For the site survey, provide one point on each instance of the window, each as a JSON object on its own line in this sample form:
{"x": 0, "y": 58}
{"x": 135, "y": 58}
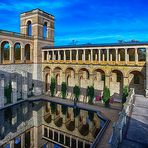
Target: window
{"x": 136, "y": 79}
{"x": 29, "y": 28}
{"x": 45, "y": 30}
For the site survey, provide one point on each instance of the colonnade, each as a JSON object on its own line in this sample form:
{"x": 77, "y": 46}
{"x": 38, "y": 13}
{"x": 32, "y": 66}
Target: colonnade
{"x": 102, "y": 54}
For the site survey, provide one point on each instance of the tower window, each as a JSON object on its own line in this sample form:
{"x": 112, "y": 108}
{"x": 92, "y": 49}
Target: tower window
{"x": 136, "y": 79}
{"x": 45, "y": 30}
{"x": 29, "y": 28}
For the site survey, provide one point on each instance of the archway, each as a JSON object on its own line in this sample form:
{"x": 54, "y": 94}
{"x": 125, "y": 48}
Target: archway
{"x": 136, "y": 81}
{"x": 17, "y": 52}
{"x": 116, "y": 82}
{"x": 5, "y": 51}
{"x": 27, "y": 52}
{"x": 47, "y": 78}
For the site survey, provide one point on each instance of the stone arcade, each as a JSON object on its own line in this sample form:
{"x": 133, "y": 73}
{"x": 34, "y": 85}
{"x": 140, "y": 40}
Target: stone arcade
{"x": 29, "y": 59}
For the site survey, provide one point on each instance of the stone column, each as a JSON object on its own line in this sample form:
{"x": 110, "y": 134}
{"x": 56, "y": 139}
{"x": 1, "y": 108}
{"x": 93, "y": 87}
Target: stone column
{"x": 11, "y": 144}
{"x": 126, "y": 58}
{"x": 11, "y": 55}
{"x": 64, "y": 55}
{"x": 146, "y": 72}
{"x": 22, "y": 140}
{"x": 99, "y": 55}
{"x": 58, "y": 55}
{"x": 31, "y": 54}
{"x": 111, "y": 57}
{"x": 91, "y": 55}
{"x": 24, "y": 85}
{"x": 14, "y": 115}
{"x": 107, "y": 55}
{"x": 136, "y": 55}
{"x": 71, "y": 55}
{"x": 103, "y": 57}
{"x": 84, "y": 55}
{"x": 77, "y": 54}
{"x": 43, "y": 56}
{"x": 22, "y": 54}
{"x": 119, "y": 57}
{"x": 14, "y": 88}
{"x": 116, "y": 54}
{"x": 77, "y": 79}
{"x": 125, "y": 81}
{"x": 47, "y": 58}
{"x": 2, "y": 96}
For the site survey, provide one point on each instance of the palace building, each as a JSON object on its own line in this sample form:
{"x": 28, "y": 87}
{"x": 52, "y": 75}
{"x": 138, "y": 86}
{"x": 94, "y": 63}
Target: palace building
{"x": 28, "y": 61}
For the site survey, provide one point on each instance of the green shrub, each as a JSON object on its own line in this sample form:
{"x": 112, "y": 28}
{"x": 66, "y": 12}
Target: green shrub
{"x": 8, "y": 92}
{"x": 64, "y": 109}
{"x": 52, "y": 86}
{"x": 63, "y": 90}
{"x": 90, "y": 93}
{"x": 106, "y": 96}
{"x": 76, "y": 92}
{"x": 76, "y": 112}
{"x": 125, "y": 93}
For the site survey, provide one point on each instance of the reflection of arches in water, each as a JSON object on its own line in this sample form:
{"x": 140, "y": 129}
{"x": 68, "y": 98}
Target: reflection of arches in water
{"x": 47, "y": 76}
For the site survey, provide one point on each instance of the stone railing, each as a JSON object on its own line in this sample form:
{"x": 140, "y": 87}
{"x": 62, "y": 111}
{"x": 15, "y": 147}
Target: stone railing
{"x": 116, "y": 137}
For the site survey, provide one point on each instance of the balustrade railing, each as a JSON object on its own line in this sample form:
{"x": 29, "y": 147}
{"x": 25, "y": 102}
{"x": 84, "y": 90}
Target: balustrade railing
{"x": 130, "y": 63}
{"x": 120, "y": 124}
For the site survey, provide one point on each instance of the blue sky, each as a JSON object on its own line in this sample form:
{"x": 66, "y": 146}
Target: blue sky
{"x": 85, "y": 21}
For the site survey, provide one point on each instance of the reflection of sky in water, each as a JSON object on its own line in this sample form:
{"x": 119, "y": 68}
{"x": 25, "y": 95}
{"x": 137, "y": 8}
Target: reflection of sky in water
{"x": 7, "y": 146}
{"x": 101, "y": 123}
{"x": 17, "y": 140}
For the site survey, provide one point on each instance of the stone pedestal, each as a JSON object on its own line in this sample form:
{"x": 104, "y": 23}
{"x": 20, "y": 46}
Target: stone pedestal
{"x": 24, "y": 85}
{"x": 14, "y": 89}
{"x": 2, "y": 97}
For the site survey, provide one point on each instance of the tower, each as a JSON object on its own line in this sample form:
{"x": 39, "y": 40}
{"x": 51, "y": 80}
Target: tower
{"x": 39, "y": 25}
{"x": 36, "y": 22}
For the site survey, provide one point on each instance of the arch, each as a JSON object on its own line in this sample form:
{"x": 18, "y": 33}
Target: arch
{"x": 17, "y": 51}
{"x": 5, "y": 50}
{"x": 45, "y": 30}
{"x": 134, "y": 70}
{"x": 47, "y": 77}
{"x": 27, "y": 52}
{"x": 29, "y": 28}
{"x": 69, "y": 69}
{"x": 136, "y": 81}
{"x": 86, "y": 70}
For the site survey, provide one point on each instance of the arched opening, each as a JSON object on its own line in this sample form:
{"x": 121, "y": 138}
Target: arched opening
{"x": 141, "y": 54}
{"x": 117, "y": 84}
{"x": 131, "y": 54}
{"x": 5, "y": 50}
{"x": 136, "y": 81}
{"x": 45, "y": 30}
{"x": 27, "y": 52}
{"x": 99, "y": 81}
{"x": 29, "y": 28}
{"x": 47, "y": 78}
{"x": 68, "y": 80}
{"x": 17, "y": 51}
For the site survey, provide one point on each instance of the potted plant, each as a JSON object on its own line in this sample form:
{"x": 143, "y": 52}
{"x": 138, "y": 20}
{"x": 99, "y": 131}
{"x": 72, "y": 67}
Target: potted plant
{"x": 64, "y": 90}
{"x": 106, "y": 96}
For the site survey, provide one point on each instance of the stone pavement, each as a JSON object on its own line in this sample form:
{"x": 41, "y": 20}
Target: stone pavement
{"x": 136, "y": 131}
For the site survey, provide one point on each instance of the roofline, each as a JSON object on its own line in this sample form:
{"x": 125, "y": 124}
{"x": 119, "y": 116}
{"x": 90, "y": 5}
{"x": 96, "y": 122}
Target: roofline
{"x": 96, "y": 45}
{"x": 39, "y": 10}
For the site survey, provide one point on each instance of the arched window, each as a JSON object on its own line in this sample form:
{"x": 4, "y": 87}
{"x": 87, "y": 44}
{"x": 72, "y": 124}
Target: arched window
{"x": 27, "y": 52}
{"x": 17, "y": 51}
{"x": 136, "y": 79}
{"x": 29, "y": 28}
{"x": 45, "y": 30}
{"x": 5, "y": 49}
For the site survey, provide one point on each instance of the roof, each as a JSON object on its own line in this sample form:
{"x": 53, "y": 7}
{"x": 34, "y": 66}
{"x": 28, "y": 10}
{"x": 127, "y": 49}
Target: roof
{"x": 97, "y": 45}
{"x": 38, "y": 10}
